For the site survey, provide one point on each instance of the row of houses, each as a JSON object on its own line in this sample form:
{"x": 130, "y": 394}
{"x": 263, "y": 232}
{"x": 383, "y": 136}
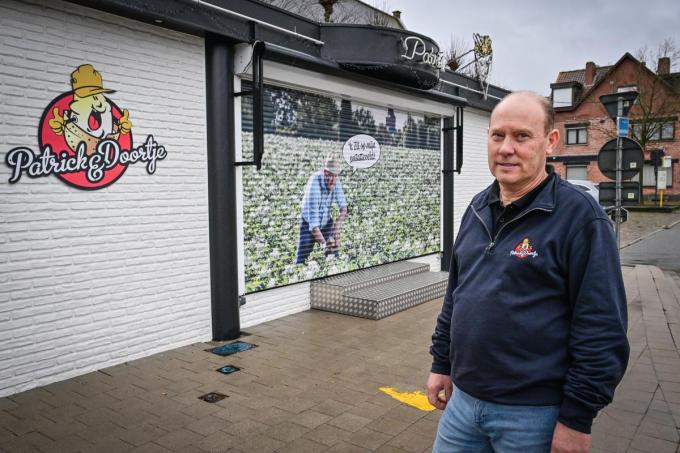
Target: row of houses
{"x": 585, "y": 125}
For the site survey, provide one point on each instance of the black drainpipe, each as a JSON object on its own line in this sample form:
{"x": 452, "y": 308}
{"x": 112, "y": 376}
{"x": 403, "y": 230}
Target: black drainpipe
{"x": 222, "y": 190}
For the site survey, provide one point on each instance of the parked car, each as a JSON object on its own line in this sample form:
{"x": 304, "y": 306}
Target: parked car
{"x": 588, "y": 187}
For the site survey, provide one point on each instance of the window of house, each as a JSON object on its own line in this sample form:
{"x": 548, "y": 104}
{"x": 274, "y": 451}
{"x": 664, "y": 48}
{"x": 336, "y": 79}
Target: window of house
{"x": 649, "y": 179}
{"x": 667, "y": 130}
{"x": 576, "y": 172}
{"x": 576, "y": 135}
{"x": 562, "y": 97}
{"x": 655, "y": 130}
{"x": 624, "y": 89}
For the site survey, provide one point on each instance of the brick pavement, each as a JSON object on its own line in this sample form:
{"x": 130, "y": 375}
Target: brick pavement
{"x": 645, "y": 414}
{"x": 312, "y": 385}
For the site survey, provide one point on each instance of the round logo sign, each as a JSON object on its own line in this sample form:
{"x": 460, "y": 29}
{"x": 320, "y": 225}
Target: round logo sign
{"x": 69, "y": 123}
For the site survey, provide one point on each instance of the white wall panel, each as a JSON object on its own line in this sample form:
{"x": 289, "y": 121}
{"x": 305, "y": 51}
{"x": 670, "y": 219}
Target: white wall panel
{"x": 475, "y": 175}
{"x": 89, "y": 279}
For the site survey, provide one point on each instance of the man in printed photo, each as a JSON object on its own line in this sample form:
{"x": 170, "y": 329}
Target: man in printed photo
{"x": 323, "y": 190}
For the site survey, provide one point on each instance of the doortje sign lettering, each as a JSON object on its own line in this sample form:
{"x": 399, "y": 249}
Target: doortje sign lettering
{"x": 84, "y": 138}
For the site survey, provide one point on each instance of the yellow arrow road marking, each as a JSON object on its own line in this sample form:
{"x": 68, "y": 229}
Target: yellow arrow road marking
{"x": 414, "y": 399}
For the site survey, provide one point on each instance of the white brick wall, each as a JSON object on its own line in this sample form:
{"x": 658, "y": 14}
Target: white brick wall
{"x": 475, "y": 175}
{"x": 89, "y": 279}
{"x": 275, "y": 303}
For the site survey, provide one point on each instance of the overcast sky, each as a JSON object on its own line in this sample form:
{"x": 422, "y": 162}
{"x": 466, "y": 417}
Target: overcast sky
{"x": 533, "y": 40}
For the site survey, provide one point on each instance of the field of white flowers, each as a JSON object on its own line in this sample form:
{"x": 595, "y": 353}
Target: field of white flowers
{"x": 393, "y": 209}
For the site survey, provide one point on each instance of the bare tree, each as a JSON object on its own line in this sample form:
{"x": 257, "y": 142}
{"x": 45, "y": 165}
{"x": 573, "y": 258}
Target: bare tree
{"x": 657, "y": 99}
{"x": 381, "y": 17}
{"x": 294, "y": 6}
{"x": 666, "y": 48}
{"x": 338, "y": 11}
{"x": 459, "y": 57}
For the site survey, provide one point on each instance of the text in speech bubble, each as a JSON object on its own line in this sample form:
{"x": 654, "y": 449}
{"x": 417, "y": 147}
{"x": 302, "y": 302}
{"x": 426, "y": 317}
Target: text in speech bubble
{"x": 361, "y": 151}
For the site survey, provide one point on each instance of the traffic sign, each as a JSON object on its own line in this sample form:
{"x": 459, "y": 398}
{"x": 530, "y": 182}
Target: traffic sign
{"x": 667, "y": 162}
{"x": 632, "y": 158}
{"x": 656, "y": 156}
{"x": 622, "y": 126}
{"x": 661, "y": 179}
{"x": 630, "y": 193}
{"x": 612, "y": 214}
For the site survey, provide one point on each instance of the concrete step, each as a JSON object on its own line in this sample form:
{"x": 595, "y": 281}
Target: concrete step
{"x": 385, "y": 299}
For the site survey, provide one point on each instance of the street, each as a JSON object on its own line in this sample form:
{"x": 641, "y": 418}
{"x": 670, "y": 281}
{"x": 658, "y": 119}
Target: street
{"x": 661, "y": 249}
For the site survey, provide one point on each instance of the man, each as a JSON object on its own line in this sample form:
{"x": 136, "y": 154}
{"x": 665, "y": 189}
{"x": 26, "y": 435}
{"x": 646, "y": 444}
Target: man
{"x": 532, "y": 332}
{"x": 316, "y": 225}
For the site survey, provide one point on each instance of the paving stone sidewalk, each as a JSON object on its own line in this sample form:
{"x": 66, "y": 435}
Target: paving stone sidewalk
{"x": 312, "y": 384}
{"x": 645, "y": 414}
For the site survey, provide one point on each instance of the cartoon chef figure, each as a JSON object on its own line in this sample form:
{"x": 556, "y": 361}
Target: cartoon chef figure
{"x": 89, "y": 118}
{"x": 525, "y": 247}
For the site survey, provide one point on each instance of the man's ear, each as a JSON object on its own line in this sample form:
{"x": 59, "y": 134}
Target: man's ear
{"x": 553, "y": 140}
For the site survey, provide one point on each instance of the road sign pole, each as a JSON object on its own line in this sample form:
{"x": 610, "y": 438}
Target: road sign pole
{"x": 620, "y": 122}
{"x": 619, "y": 168}
{"x": 617, "y": 106}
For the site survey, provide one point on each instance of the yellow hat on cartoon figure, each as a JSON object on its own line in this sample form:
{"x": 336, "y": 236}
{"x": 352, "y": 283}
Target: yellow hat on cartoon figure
{"x": 86, "y": 81}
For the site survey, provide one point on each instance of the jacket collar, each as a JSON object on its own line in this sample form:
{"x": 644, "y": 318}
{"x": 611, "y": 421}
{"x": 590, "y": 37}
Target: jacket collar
{"x": 546, "y": 199}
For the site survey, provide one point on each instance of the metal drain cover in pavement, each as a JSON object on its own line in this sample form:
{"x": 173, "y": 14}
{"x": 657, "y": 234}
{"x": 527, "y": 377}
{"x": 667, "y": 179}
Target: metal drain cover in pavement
{"x": 228, "y": 369}
{"x": 232, "y": 348}
{"x": 212, "y": 397}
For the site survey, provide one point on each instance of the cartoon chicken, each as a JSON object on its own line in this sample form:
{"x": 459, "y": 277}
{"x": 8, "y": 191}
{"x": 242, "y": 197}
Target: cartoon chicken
{"x": 89, "y": 118}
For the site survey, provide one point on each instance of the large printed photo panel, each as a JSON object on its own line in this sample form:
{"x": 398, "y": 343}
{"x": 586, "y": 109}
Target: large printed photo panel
{"x": 344, "y": 185}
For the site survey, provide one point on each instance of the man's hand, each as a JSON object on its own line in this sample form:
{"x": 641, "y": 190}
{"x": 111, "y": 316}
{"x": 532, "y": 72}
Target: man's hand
{"x": 567, "y": 440}
{"x": 336, "y": 239}
{"x": 435, "y": 384}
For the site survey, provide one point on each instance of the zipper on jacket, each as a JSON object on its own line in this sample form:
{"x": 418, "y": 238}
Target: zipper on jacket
{"x": 487, "y": 250}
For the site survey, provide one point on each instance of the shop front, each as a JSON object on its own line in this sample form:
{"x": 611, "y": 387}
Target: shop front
{"x": 177, "y": 171}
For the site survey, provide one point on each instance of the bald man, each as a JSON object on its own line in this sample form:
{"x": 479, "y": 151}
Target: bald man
{"x": 531, "y": 339}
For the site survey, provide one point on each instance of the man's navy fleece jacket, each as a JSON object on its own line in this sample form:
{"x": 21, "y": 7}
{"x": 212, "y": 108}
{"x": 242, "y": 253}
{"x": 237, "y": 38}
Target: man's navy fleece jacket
{"x": 536, "y": 315}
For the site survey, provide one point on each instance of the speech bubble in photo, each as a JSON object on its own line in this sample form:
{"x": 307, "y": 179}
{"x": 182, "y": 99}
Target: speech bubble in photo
{"x": 361, "y": 151}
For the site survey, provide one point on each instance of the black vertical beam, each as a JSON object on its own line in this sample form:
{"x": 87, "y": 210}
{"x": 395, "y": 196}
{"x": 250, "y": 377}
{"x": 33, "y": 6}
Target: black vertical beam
{"x": 222, "y": 190}
{"x": 447, "y": 196}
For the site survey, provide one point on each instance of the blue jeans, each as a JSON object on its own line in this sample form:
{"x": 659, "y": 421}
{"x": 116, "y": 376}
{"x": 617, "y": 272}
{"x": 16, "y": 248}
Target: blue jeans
{"x": 470, "y": 425}
{"x": 306, "y": 239}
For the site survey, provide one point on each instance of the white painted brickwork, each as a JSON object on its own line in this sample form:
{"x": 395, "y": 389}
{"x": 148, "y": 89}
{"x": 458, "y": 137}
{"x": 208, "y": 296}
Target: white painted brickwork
{"x": 433, "y": 260}
{"x": 89, "y": 279}
{"x": 475, "y": 175}
{"x": 275, "y": 303}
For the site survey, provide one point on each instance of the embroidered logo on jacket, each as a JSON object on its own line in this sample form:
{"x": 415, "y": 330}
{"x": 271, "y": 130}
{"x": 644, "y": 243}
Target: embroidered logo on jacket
{"x": 524, "y": 250}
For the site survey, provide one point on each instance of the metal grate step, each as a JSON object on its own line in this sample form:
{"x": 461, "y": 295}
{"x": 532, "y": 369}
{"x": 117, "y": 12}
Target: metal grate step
{"x": 389, "y": 290}
{"x": 374, "y": 275}
{"x": 383, "y": 299}
{"x": 326, "y": 294}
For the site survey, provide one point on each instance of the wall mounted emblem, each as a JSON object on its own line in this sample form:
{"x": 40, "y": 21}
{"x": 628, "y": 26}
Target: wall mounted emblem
{"x": 84, "y": 138}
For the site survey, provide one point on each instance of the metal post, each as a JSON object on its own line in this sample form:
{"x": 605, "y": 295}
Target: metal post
{"x": 619, "y": 165}
{"x": 447, "y": 196}
{"x": 221, "y": 190}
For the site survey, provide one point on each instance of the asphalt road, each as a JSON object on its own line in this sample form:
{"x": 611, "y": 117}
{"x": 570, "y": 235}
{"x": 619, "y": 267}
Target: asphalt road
{"x": 661, "y": 249}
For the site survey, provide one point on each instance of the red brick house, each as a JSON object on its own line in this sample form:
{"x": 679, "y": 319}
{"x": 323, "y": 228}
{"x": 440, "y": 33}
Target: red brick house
{"x": 585, "y": 126}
